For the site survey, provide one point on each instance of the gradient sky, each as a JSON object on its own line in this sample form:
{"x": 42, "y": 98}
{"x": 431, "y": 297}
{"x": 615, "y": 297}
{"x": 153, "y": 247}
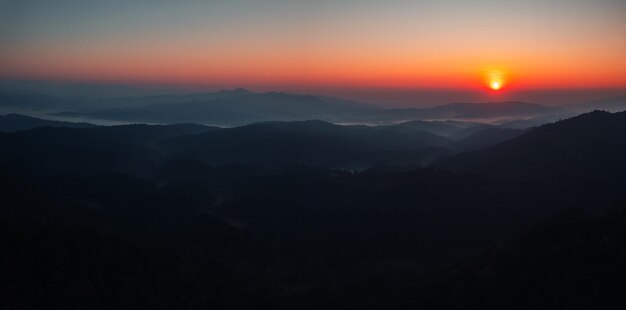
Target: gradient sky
{"x": 334, "y": 47}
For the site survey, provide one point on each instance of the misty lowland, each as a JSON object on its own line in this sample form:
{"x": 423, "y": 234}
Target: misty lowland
{"x": 243, "y": 200}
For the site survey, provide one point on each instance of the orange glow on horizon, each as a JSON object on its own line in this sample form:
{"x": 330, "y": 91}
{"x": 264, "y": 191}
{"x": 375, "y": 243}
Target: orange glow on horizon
{"x": 280, "y": 71}
{"x": 331, "y": 44}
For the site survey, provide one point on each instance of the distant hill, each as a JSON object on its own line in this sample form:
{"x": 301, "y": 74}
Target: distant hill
{"x": 17, "y": 122}
{"x": 149, "y": 134}
{"x": 441, "y": 128}
{"x": 238, "y": 107}
{"x": 489, "y": 110}
{"x": 466, "y": 132}
{"x": 229, "y": 108}
{"x": 471, "y": 111}
{"x": 611, "y": 104}
{"x": 34, "y": 102}
{"x": 314, "y": 143}
{"x": 523, "y": 123}
{"x": 486, "y": 138}
{"x": 246, "y": 108}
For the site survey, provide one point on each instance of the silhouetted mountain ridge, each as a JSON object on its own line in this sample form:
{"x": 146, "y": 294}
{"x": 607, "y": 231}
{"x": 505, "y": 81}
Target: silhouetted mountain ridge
{"x": 591, "y": 144}
{"x": 17, "y": 122}
{"x": 310, "y": 142}
{"x": 229, "y": 110}
{"x": 239, "y": 107}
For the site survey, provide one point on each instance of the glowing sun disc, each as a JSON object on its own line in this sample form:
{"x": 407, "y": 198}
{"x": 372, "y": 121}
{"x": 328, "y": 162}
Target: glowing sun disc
{"x": 495, "y": 80}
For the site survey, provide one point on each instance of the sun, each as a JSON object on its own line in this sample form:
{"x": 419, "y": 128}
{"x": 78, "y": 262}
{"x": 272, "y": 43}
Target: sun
{"x": 495, "y": 80}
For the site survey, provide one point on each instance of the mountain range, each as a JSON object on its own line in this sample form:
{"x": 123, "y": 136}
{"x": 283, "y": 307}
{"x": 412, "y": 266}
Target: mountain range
{"x": 240, "y": 107}
{"x": 611, "y": 104}
{"x": 17, "y": 122}
{"x": 317, "y": 143}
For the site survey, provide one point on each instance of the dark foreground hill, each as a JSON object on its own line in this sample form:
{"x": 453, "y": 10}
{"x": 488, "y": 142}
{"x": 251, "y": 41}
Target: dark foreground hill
{"x": 596, "y": 139}
{"x": 580, "y": 159}
{"x": 150, "y": 217}
{"x": 573, "y": 260}
{"x": 588, "y": 147}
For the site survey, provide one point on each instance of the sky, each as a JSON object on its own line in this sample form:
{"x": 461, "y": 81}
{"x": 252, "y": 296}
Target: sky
{"x": 395, "y": 52}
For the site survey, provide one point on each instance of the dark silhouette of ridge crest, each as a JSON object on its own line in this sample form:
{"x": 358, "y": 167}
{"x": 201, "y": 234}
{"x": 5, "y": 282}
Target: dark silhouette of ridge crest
{"x": 589, "y": 145}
